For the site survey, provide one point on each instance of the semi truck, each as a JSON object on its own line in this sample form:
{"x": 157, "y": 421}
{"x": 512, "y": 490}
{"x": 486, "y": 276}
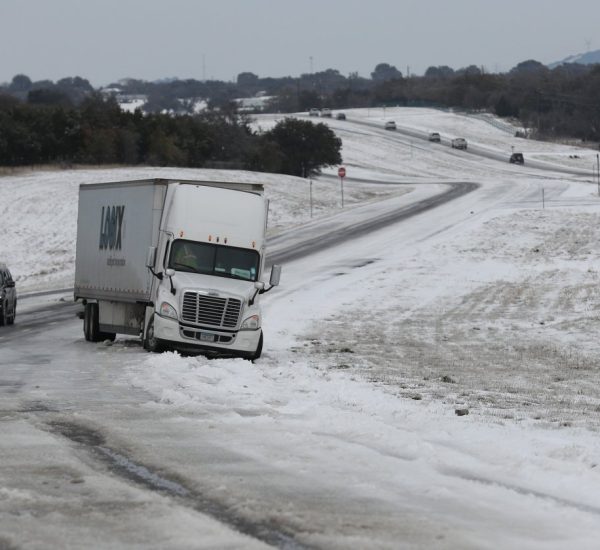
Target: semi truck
{"x": 178, "y": 263}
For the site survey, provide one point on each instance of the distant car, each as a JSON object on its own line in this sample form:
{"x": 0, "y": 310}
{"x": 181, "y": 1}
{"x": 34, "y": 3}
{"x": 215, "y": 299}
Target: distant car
{"x": 516, "y": 158}
{"x": 459, "y": 143}
{"x": 8, "y": 297}
{"x": 435, "y": 137}
{"x": 390, "y": 125}
{"x": 313, "y": 112}
{"x": 340, "y": 116}
{"x": 326, "y": 113}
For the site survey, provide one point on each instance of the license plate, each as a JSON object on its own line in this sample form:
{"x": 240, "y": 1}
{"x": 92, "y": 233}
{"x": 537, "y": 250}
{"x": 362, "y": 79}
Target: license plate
{"x": 207, "y": 337}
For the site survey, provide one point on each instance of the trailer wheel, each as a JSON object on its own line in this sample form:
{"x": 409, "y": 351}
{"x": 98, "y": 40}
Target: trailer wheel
{"x": 91, "y": 325}
{"x": 151, "y": 343}
{"x": 91, "y": 312}
{"x": 94, "y": 322}
{"x": 86, "y": 323}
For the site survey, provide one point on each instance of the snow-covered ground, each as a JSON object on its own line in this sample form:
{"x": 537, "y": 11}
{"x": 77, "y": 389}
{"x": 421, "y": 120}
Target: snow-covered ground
{"x": 367, "y": 149}
{"x": 38, "y": 212}
{"x": 372, "y": 350}
{"x": 486, "y": 306}
{"x": 131, "y": 105}
{"x": 479, "y": 130}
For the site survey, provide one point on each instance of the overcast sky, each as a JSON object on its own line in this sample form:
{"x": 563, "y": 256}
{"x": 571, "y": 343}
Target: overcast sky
{"x": 105, "y": 40}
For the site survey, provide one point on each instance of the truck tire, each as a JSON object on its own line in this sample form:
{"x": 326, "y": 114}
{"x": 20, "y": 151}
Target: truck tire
{"x": 151, "y": 343}
{"x": 259, "y": 348}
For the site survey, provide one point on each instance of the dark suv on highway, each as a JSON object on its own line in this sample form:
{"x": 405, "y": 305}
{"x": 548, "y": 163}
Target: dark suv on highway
{"x": 8, "y": 297}
{"x": 516, "y": 158}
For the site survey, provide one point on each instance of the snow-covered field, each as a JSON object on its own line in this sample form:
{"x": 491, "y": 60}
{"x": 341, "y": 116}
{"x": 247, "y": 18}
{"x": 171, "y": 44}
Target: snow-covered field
{"x": 38, "y": 212}
{"x": 486, "y": 306}
{"x": 480, "y": 130}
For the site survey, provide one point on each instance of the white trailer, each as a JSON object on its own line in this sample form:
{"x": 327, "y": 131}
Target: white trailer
{"x": 178, "y": 263}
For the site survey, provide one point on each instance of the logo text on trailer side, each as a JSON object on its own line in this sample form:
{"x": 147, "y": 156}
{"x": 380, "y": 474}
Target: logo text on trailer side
{"x": 111, "y": 226}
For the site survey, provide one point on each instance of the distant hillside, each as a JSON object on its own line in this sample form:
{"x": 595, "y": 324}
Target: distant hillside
{"x": 588, "y": 58}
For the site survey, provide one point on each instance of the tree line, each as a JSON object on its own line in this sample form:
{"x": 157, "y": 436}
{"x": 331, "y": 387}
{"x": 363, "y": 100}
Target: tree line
{"x": 69, "y": 122}
{"x": 562, "y": 102}
{"x": 559, "y": 102}
{"x": 97, "y": 131}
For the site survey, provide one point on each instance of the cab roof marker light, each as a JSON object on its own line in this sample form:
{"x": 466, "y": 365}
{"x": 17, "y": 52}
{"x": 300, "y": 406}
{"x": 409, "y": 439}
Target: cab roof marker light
{"x": 253, "y": 244}
{"x": 209, "y": 238}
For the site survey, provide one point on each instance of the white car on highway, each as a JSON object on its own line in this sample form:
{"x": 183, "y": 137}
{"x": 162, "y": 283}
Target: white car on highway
{"x": 459, "y": 143}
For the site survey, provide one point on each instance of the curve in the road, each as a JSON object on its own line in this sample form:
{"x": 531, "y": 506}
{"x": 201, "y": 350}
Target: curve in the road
{"x": 333, "y": 238}
{"x": 37, "y": 319}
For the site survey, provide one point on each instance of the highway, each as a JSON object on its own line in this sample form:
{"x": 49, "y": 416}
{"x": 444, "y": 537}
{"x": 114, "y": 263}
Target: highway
{"x": 87, "y": 456}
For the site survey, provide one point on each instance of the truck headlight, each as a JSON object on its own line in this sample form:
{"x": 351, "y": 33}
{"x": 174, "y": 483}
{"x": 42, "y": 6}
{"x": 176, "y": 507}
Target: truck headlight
{"x": 251, "y": 323}
{"x": 167, "y": 310}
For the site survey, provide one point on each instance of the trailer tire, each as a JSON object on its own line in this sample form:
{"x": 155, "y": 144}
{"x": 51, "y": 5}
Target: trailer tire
{"x": 86, "y": 323}
{"x": 151, "y": 343}
{"x": 93, "y": 333}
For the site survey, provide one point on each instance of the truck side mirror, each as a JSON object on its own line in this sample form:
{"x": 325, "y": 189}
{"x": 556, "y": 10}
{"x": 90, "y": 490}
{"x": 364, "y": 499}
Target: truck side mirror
{"x": 169, "y": 273}
{"x": 151, "y": 256}
{"x": 275, "y": 275}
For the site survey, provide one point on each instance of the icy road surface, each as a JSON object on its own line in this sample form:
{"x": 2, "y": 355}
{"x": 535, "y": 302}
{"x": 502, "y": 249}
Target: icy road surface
{"x": 345, "y": 433}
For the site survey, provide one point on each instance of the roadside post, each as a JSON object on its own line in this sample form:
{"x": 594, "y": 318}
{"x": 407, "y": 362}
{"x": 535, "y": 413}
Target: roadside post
{"x": 598, "y": 171}
{"x": 342, "y": 175}
{"x": 543, "y": 200}
{"x": 309, "y": 189}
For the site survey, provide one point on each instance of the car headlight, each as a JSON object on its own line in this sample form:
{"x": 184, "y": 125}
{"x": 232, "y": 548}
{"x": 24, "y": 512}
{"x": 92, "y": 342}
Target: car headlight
{"x": 251, "y": 323}
{"x": 167, "y": 310}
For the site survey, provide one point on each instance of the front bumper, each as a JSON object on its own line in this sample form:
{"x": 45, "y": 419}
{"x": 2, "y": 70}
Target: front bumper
{"x": 184, "y": 337}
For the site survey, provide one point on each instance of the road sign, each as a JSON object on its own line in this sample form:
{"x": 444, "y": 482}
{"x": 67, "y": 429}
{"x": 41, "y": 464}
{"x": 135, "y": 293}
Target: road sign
{"x": 341, "y": 172}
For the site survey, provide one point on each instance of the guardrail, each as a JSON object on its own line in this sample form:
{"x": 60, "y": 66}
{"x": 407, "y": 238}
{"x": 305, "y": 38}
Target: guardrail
{"x": 499, "y": 124}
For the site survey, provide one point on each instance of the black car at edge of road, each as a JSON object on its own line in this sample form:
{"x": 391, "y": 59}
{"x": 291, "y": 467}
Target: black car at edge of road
{"x": 8, "y": 297}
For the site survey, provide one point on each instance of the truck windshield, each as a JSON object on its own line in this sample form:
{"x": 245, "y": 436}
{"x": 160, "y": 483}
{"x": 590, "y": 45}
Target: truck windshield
{"x": 214, "y": 259}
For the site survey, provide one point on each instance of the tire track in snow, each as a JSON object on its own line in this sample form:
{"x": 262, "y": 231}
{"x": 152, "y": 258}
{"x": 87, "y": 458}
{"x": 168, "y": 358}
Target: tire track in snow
{"x": 126, "y": 467}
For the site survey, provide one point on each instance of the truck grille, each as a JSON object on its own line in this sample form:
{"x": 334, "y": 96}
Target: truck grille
{"x": 215, "y": 311}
